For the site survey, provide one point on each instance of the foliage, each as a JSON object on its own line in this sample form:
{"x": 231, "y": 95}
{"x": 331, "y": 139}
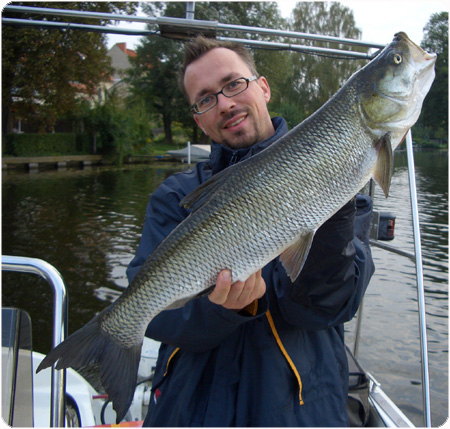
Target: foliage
{"x": 119, "y": 128}
{"x": 312, "y": 79}
{"x": 154, "y": 79}
{"x": 43, "y": 144}
{"x": 435, "y": 108}
{"x": 44, "y": 70}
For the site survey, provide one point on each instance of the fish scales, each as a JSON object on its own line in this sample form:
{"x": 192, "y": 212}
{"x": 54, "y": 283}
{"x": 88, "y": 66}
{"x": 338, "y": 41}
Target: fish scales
{"x": 265, "y": 206}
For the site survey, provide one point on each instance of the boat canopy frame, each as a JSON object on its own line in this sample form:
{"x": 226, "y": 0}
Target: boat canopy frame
{"x": 184, "y": 28}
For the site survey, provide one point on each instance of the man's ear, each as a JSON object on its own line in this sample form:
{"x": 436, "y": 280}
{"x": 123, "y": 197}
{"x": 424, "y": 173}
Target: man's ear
{"x": 264, "y": 85}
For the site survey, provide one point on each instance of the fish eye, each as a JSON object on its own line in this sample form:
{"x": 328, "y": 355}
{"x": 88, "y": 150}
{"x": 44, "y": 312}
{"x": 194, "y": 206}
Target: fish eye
{"x": 397, "y": 58}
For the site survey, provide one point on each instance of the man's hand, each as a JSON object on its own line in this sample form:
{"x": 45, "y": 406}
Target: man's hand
{"x": 238, "y": 295}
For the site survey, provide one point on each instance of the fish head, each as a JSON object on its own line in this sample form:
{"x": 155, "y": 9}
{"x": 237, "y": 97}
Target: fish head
{"x": 394, "y": 86}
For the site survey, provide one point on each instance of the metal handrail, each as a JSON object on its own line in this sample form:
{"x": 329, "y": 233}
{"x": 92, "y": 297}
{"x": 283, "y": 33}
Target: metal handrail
{"x": 419, "y": 279}
{"x": 53, "y": 277}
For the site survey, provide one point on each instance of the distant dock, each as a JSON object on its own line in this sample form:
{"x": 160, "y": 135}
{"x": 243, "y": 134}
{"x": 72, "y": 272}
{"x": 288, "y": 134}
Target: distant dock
{"x": 60, "y": 162}
{"x": 35, "y": 163}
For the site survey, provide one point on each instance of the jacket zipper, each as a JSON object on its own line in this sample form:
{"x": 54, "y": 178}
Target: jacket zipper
{"x": 233, "y": 159}
{"x": 286, "y": 355}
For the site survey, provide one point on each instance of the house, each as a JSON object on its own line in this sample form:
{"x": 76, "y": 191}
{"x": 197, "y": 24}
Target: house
{"x": 120, "y": 61}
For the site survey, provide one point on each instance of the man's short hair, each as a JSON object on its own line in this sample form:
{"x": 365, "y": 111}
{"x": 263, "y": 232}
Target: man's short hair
{"x": 200, "y": 45}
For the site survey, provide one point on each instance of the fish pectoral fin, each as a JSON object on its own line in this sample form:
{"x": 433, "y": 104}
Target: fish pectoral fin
{"x": 294, "y": 257}
{"x": 385, "y": 163}
{"x": 203, "y": 193}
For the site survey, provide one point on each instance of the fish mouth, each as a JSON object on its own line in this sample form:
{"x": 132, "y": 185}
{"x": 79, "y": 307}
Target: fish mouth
{"x": 418, "y": 54}
{"x": 429, "y": 57}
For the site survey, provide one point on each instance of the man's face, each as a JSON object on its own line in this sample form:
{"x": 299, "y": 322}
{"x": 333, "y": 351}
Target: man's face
{"x": 236, "y": 122}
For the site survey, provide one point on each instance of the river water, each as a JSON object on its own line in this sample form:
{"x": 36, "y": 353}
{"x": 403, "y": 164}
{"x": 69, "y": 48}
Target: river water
{"x": 87, "y": 223}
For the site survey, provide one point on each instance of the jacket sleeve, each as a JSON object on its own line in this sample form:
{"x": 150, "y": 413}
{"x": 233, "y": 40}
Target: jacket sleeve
{"x": 336, "y": 273}
{"x": 199, "y": 325}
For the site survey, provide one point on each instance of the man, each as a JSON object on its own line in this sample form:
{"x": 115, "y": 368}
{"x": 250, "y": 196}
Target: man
{"x": 264, "y": 352}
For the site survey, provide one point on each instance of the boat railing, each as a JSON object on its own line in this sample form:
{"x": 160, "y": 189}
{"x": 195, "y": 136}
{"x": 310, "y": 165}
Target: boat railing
{"x": 419, "y": 279}
{"x": 53, "y": 277}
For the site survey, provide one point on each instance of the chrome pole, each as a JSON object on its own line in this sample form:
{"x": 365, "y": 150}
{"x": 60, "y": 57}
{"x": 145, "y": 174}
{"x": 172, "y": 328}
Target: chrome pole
{"x": 52, "y": 276}
{"x": 190, "y": 23}
{"x": 190, "y": 10}
{"x": 420, "y": 286}
{"x": 369, "y": 188}
{"x": 359, "y": 318}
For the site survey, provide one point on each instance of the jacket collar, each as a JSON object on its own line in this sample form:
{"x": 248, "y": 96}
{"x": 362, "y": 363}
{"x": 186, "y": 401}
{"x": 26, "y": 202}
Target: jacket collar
{"x": 222, "y": 157}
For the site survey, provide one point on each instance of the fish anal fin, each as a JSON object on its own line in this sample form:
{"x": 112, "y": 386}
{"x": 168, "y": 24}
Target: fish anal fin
{"x": 183, "y": 301}
{"x": 384, "y": 165}
{"x": 294, "y": 257}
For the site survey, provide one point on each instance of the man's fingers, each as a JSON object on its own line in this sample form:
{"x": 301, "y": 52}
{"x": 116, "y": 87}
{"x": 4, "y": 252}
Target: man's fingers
{"x": 238, "y": 295}
{"x": 220, "y": 293}
{"x": 260, "y": 286}
{"x": 241, "y": 292}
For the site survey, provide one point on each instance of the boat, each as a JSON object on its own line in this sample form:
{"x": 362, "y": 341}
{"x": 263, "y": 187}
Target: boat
{"x": 67, "y": 397}
{"x": 191, "y": 153}
{"x": 54, "y": 398}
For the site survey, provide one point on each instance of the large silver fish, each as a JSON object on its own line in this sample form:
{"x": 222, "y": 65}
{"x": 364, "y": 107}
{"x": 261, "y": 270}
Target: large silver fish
{"x": 266, "y": 206}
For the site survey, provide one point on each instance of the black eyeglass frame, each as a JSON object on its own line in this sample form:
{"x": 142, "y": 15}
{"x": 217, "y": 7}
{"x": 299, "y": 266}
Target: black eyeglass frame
{"x": 194, "y": 108}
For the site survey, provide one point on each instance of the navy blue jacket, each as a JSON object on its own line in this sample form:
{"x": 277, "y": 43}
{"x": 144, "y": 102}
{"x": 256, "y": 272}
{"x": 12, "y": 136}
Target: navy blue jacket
{"x": 279, "y": 362}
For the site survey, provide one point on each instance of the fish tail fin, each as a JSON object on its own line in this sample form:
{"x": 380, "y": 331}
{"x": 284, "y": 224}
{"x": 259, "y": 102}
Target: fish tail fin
{"x": 118, "y": 365}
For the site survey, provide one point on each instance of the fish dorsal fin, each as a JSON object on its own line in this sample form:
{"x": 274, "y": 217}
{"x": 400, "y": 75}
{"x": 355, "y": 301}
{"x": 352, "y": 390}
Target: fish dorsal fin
{"x": 203, "y": 193}
{"x": 294, "y": 257}
{"x": 385, "y": 163}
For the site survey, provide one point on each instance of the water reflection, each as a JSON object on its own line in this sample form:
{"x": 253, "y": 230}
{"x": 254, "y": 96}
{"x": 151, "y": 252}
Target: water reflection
{"x": 88, "y": 223}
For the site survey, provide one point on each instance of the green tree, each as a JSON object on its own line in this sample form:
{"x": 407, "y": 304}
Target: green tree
{"x": 154, "y": 79}
{"x": 314, "y": 79}
{"x": 434, "y": 115}
{"x": 43, "y": 70}
{"x": 118, "y": 127}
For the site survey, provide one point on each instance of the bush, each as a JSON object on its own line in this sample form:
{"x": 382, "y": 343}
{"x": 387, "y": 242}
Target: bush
{"x": 426, "y": 144}
{"x": 45, "y": 144}
{"x": 120, "y": 129}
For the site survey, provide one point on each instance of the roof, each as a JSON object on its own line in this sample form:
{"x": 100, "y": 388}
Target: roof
{"x": 123, "y": 47}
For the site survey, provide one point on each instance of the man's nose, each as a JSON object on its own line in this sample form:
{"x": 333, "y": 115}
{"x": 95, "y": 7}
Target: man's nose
{"x": 224, "y": 104}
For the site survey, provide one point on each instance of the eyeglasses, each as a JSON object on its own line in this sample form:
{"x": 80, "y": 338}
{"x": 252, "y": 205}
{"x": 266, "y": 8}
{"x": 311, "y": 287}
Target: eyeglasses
{"x": 231, "y": 89}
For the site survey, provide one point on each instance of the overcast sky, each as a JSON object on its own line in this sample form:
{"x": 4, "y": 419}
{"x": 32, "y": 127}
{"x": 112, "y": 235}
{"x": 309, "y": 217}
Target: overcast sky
{"x": 379, "y": 20}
